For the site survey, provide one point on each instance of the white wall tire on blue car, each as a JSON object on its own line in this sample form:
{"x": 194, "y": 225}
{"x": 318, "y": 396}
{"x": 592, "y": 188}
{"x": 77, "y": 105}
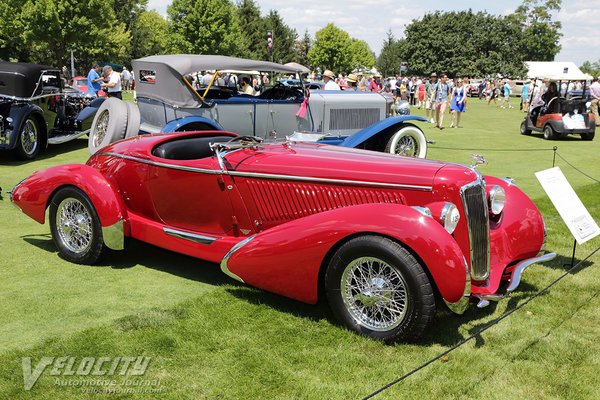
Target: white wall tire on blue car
{"x": 109, "y": 125}
{"x": 408, "y": 141}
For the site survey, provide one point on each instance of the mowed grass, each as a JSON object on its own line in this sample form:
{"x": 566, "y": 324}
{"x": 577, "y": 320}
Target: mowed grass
{"x": 209, "y": 337}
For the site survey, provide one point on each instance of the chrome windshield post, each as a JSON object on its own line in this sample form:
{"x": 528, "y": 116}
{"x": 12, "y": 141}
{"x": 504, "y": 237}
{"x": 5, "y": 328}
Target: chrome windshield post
{"x": 217, "y": 148}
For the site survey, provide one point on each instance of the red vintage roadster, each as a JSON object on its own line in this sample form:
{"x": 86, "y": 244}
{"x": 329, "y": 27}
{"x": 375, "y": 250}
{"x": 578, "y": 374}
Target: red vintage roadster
{"x": 384, "y": 237}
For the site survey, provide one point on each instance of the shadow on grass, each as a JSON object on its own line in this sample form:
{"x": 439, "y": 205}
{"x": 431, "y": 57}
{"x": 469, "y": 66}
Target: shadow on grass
{"x": 568, "y": 138}
{"x": 8, "y": 158}
{"x": 564, "y": 263}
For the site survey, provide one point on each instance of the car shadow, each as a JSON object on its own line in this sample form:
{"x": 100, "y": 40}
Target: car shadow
{"x": 8, "y": 158}
{"x": 568, "y": 138}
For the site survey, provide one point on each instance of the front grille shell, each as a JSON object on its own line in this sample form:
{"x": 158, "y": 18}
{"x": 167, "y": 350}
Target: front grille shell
{"x": 474, "y": 201}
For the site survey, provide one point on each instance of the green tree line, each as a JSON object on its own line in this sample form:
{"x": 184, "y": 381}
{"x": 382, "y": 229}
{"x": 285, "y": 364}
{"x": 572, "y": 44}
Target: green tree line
{"x": 459, "y": 43}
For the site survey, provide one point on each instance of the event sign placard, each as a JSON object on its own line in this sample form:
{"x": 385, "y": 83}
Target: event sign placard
{"x": 569, "y": 206}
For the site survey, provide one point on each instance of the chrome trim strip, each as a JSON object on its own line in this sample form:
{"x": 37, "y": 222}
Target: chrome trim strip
{"x": 515, "y": 278}
{"x": 461, "y": 305}
{"x": 230, "y": 253}
{"x": 194, "y": 237}
{"x": 114, "y": 235}
{"x": 478, "y": 182}
{"x": 266, "y": 176}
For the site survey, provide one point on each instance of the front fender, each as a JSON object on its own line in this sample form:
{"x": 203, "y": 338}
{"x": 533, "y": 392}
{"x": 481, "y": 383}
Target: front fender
{"x": 287, "y": 259}
{"x": 34, "y": 194}
{"x": 362, "y": 136}
{"x": 178, "y": 124}
{"x": 19, "y": 114}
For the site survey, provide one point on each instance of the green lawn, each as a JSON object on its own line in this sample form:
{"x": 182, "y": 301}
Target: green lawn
{"x": 209, "y": 337}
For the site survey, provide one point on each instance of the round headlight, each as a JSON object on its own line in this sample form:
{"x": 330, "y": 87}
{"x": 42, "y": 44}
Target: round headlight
{"x": 449, "y": 217}
{"x": 497, "y": 200}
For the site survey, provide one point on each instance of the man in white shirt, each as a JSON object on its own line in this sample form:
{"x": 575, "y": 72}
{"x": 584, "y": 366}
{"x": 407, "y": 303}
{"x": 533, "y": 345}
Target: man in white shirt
{"x": 330, "y": 84}
{"x": 113, "y": 87}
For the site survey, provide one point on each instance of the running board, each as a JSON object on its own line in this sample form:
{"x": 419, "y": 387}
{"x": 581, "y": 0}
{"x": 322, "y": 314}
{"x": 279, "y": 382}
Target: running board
{"x": 193, "y": 237}
{"x": 66, "y": 138}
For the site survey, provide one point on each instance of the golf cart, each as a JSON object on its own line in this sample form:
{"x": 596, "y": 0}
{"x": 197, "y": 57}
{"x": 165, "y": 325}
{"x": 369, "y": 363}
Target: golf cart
{"x": 557, "y": 114}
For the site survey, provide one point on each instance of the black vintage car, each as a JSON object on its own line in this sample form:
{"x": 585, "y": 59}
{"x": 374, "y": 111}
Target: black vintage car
{"x": 37, "y": 109}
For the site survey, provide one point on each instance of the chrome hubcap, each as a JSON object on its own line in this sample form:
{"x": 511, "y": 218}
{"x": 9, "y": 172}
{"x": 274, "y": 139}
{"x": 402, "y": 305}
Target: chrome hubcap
{"x": 29, "y": 137}
{"x": 74, "y": 225}
{"x": 374, "y": 293}
{"x": 407, "y": 146}
{"x": 101, "y": 128}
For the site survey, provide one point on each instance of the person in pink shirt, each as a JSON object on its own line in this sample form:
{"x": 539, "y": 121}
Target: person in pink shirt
{"x": 376, "y": 85}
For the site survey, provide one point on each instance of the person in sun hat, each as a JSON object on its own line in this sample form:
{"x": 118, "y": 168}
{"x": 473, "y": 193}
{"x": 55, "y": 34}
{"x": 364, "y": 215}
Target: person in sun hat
{"x": 329, "y": 79}
{"x": 352, "y": 81}
{"x": 376, "y": 85}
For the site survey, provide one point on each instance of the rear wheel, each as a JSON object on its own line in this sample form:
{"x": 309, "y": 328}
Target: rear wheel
{"x": 549, "y": 133}
{"x": 588, "y": 135}
{"x": 28, "y": 141}
{"x": 524, "y": 130}
{"x": 75, "y": 226}
{"x": 408, "y": 141}
{"x": 377, "y": 288}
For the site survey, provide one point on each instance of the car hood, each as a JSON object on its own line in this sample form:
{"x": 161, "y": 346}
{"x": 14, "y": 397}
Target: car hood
{"x": 333, "y": 162}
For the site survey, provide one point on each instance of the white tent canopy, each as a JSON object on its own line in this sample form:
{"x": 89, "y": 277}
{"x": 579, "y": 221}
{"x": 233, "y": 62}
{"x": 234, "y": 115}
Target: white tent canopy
{"x": 555, "y": 70}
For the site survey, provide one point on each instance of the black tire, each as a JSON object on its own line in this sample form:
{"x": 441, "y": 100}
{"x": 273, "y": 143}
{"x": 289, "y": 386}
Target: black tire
{"x": 398, "y": 284}
{"x": 524, "y": 130}
{"x": 109, "y": 125}
{"x": 549, "y": 133}
{"x": 408, "y": 141}
{"x": 28, "y": 140}
{"x": 71, "y": 207}
{"x": 588, "y": 135}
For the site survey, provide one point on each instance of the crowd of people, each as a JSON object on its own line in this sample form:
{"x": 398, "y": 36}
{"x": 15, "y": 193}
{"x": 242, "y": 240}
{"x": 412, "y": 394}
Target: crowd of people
{"x": 109, "y": 81}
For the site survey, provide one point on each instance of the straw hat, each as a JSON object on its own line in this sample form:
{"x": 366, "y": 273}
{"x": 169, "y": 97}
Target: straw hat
{"x": 352, "y": 78}
{"x": 329, "y": 74}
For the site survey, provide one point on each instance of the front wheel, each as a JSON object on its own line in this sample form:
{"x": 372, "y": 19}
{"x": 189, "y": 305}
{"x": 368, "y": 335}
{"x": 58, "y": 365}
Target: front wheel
{"x": 524, "y": 130}
{"x": 408, "y": 141}
{"x": 28, "y": 141}
{"x": 377, "y": 288}
{"x": 75, "y": 226}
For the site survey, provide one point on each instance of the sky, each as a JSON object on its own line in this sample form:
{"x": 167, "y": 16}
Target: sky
{"x": 371, "y": 20}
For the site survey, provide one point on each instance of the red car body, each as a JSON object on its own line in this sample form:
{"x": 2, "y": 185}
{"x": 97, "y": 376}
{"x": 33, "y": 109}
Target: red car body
{"x": 272, "y": 215}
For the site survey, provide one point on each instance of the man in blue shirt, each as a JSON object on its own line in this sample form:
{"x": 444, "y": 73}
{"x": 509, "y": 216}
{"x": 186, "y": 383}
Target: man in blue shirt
{"x": 94, "y": 80}
{"x": 506, "y": 91}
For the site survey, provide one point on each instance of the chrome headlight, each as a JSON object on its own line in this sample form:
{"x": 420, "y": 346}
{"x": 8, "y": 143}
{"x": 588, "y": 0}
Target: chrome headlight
{"x": 403, "y": 108}
{"x": 497, "y": 199}
{"x": 449, "y": 217}
{"x": 423, "y": 210}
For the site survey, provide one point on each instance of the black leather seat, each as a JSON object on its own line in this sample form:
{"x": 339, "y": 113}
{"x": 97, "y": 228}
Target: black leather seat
{"x": 188, "y": 148}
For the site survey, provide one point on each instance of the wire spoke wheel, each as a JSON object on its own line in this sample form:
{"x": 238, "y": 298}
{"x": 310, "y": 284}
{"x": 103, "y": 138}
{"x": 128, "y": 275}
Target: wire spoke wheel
{"x": 29, "y": 137}
{"x": 407, "y": 146}
{"x": 101, "y": 128}
{"x": 74, "y": 225}
{"x": 374, "y": 293}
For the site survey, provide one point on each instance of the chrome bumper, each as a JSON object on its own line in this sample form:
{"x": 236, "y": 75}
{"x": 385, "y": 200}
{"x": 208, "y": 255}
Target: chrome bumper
{"x": 515, "y": 279}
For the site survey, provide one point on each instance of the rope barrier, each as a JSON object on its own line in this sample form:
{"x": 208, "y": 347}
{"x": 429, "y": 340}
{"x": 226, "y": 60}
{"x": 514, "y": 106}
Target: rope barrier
{"x": 507, "y": 150}
{"x": 577, "y": 169}
{"x": 479, "y": 332}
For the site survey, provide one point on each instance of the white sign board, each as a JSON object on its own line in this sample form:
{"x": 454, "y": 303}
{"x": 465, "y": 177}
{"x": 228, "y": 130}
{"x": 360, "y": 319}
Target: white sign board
{"x": 567, "y": 203}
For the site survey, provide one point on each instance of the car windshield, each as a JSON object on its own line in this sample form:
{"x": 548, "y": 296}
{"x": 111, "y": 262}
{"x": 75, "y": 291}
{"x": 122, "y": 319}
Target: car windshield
{"x": 80, "y": 82}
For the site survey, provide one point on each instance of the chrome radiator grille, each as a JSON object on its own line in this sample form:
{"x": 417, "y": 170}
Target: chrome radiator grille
{"x": 352, "y": 118}
{"x": 476, "y": 210}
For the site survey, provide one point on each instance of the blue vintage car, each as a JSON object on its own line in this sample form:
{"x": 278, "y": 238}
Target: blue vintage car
{"x": 37, "y": 109}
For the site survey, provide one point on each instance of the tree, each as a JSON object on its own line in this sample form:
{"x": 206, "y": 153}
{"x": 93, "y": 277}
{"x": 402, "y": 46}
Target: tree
{"x": 331, "y": 50}
{"x": 149, "y": 35}
{"x": 362, "y": 56}
{"x": 205, "y": 27}
{"x": 52, "y": 28}
{"x": 12, "y": 45}
{"x": 541, "y": 35}
{"x": 591, "y": 68}
{"x": 390, "y": 58}
{"x": 284, "y": 39}
{"x": 128, "y": 11}
{"x": 302, "y": 47}
{"x": 252, "y": 26}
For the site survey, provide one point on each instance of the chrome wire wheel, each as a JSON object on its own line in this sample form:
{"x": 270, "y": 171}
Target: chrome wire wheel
{"x": 29, "y": 137}
{"x": 74, "y": 225}
{"x": 374, "y": 293}
{"x": 101, "y": 128}
{"x": 407, "y": 146}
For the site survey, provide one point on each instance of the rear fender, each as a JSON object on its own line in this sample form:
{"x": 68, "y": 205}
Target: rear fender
{"x": 377, "y": 128}
{"x": 287, "y": 259}
{"x": 34, "y": 194}
{"x": 194, "y": 123}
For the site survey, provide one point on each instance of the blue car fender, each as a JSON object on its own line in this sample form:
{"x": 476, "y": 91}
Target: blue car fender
{"x": 382, "y": 126}
{"x": 193, "y": 123}
{"x": 19, "y": 115}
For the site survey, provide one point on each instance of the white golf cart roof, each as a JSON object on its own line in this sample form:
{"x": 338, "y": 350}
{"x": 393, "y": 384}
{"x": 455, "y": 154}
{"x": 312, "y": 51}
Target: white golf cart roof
{"x": 162, "y": 77}
{"x": 556, "y": 71}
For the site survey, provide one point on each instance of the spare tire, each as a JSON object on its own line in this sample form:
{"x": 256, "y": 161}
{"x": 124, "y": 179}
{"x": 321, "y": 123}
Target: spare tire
{"x": 133, "y": 120}
{"x": 409, "y": 141}
{"x": 109, "y": 125}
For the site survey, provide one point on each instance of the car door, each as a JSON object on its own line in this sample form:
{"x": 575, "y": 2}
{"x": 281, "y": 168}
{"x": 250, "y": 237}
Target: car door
{"x": 191, "y": 195}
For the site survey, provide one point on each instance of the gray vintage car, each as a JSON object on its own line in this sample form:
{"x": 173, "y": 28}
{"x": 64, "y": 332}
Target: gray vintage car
{"x": 37, "y": 109}
{"x": 168, "y": 100}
